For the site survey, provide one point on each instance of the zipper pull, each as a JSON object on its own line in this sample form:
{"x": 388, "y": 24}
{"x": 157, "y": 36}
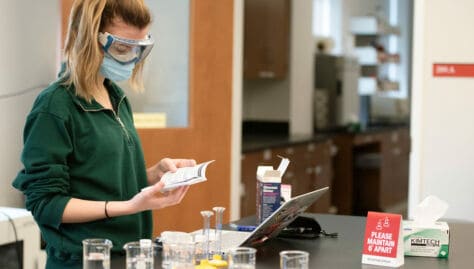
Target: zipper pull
{"x": 120, "y": 121}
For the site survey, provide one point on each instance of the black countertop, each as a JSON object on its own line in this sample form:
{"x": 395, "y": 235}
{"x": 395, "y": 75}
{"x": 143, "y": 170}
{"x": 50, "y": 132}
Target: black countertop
{"x": 345, "y": 251}
{"x": 259, "y": 141}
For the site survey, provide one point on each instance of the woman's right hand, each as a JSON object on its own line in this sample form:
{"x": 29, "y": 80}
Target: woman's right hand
{"x": 152, "y": 197}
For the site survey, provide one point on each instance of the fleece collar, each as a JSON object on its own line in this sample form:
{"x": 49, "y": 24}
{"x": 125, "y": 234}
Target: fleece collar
{"x": 116, "y": 95}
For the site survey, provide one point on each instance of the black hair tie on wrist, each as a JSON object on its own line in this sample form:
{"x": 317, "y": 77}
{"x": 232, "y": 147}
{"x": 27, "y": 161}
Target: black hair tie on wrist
{"x": 105, "y": 210}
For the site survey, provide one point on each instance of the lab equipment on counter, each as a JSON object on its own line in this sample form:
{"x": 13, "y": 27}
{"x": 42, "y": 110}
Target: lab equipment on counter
{"x": 206, "y": 215}
{"x": 219, "y": 211}
{"x": 96, "y": 253}
{"x": 139, "y": 254}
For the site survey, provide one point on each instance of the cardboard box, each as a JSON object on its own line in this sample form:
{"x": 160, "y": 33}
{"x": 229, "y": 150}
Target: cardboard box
{"x": 426, "y": 241}
{"x": 268, "y": 191}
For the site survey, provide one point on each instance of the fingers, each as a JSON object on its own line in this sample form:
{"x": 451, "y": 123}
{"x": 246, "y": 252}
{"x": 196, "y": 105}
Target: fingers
{"x": 183, "y": 191}
{"x": 172, "y": 165}
{"x": 176, "y": 196}
{"x": 185, "y": 162}
{"x": 167, "y": 164}
{"x": 179, "y": 195}
{"x": 158, "y": 187}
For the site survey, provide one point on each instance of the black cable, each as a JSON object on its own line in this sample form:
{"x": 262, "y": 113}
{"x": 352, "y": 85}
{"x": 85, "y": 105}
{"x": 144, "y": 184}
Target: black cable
{"x": 17, "y": 246}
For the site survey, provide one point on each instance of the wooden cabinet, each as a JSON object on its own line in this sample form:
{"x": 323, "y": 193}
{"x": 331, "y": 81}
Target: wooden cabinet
{"x": 394, "y": 170}
{"x": 371, "y": 172}
{"x": 266, "y": 39}
{"x": 310, "y": 168}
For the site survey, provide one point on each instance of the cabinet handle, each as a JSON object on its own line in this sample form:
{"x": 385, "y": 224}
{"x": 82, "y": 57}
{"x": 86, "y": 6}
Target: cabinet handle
{"x": 266, "y": 74}
{"x": 318, "y": 169}
{"x": 334, "y": 150}
{"x": 396, "y": 151}
{"x": 333, "y": 209}
{"x": 309, "y": 170}
{"x": 394, "y": 137}
{"x": 267, "y": 155}
{"x": 242, "y": 190}
{"x": 368, "y": 138}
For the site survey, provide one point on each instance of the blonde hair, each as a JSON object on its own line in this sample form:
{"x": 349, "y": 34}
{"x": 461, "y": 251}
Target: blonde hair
{"x": 82, "y": 52}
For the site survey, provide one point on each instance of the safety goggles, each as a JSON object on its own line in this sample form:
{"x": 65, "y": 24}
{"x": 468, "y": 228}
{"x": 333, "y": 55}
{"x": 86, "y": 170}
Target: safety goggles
{"x": 125, "y": 50}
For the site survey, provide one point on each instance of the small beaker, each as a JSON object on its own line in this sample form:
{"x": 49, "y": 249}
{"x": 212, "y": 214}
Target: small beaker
{"x": 96, "y": 253}
{"x": 242, "y": 257}
{"x": 182, "y": 255}
{"x": 139, "y": 254}
{"x": 294, "y": 259}
{"x": 168, "y": 238}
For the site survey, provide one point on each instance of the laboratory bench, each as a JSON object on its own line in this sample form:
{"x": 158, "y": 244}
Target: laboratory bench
{"x": 345, "y": 250}
{"x": 365, "y": 170}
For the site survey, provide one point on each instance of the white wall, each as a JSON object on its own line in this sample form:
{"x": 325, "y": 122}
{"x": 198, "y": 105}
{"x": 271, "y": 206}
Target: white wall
{"x": 442, "y": 108}
{"x": 257, "y": 104}
{"x": 29, "y": 46}
{"x": 236, "y": 140}
{"x": 302, "y": 50}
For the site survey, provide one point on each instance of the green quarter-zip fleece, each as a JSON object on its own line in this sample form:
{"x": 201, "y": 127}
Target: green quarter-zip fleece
{"x": 75, "y": 148}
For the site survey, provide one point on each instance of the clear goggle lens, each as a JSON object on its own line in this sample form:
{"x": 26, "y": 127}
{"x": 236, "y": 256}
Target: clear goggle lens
{"x": 125, "y": 50}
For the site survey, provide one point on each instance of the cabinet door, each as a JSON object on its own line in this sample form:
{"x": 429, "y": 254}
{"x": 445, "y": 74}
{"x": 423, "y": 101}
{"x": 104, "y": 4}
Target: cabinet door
{"x": 394, "y": 182}
{"x": 248, "y": 199}
{"x": 266, "y": 39}
{"x": 320, "y": 171}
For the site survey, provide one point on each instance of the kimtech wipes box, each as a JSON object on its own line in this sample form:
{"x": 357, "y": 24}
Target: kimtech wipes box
{"x": 269, "y": 189}
{"x": 425, "y": 235}
{"x": 426, "y": 240}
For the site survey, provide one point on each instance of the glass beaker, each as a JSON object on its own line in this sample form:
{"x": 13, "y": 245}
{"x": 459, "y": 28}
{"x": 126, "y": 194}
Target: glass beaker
{"x": 242, "y": 258}
{"x": 168, "y": 238}
{"x": 139, "y": 254}
{"x": 96, "y": 253}
{"x": 182, "y": 255}
{"x": 294, "y": 259}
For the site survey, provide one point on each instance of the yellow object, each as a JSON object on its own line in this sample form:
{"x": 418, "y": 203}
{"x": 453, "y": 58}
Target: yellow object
{"x": 217, "y": 261}
{"x": 204, "y": 264}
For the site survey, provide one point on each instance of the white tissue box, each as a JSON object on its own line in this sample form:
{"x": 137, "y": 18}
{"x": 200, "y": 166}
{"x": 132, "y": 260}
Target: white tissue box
{"x": 426, "y": 241}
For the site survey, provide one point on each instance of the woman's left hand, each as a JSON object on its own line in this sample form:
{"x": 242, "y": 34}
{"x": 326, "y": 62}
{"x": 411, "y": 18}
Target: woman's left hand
{"x": 155, "y": 172}
{"x": 153, "y": 198}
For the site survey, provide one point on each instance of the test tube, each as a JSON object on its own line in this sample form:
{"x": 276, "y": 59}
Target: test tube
{"x": 206, "y": 215}
{"x": 219, "y": 212}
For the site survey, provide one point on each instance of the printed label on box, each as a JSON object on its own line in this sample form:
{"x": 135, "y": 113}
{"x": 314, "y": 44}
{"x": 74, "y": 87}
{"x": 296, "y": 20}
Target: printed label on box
{"x": 269, "y": 189}
{"x": 268, "y": 199}
{"x": 423, "y": 241}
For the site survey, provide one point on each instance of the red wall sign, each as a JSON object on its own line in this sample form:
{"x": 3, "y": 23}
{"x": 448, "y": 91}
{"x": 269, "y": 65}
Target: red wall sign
{"x": 453, "y": 70}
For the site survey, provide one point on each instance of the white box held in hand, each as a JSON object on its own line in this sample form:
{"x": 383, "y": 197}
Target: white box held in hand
{"x": 269, "y": 189}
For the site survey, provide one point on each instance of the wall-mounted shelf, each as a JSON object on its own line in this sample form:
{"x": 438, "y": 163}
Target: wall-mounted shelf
{"x": 370, "y": 25}
{"x": 370, "y": 36}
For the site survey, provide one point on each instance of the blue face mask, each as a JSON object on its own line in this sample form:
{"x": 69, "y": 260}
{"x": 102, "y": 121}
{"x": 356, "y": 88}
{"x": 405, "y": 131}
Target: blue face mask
{"x": 116, "y": 71}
